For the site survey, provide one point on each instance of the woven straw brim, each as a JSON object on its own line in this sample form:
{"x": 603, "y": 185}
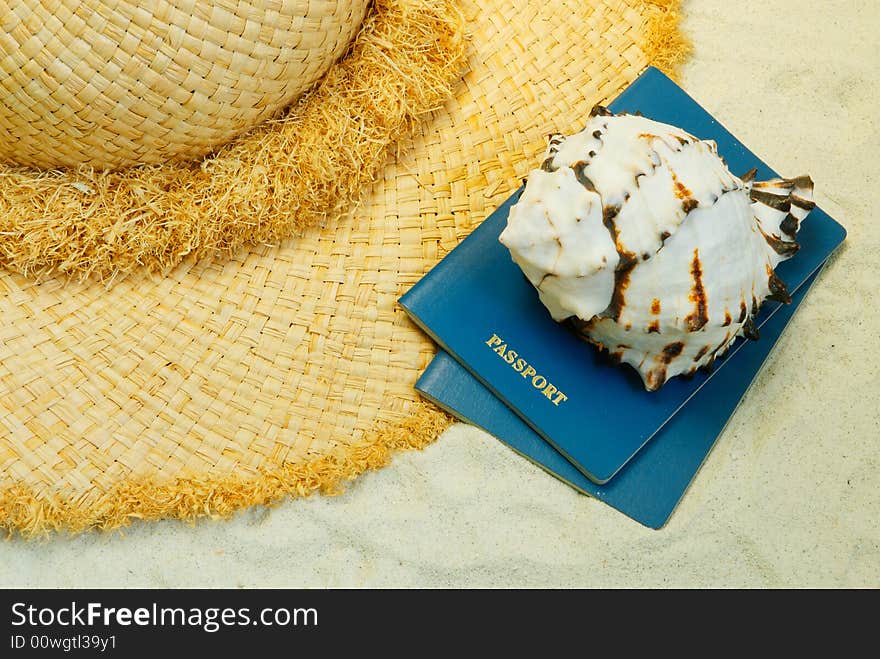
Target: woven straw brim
{"x": 289, "y": 369}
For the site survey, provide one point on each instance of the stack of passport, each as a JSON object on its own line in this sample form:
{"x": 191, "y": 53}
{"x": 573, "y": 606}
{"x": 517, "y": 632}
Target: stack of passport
{"x": 591, "y": 423}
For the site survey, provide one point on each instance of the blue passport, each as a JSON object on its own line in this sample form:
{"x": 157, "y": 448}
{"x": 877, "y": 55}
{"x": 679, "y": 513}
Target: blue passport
{"x": 477, "y": 295}
{"x": 648, "y": 488}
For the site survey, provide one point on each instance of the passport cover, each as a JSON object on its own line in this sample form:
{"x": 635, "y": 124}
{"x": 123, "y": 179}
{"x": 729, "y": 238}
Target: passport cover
{"x": 477, "y": 292}
{"x": 650, "y": 486}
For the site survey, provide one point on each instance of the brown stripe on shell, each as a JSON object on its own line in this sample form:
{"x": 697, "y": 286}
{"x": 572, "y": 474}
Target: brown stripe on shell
{"x": 782, "y": 247}
{"x": 750, "y": 331}
{"x": 655, "y": 378}
{"x": 601, "y": 111}
{"x": 803, "y": 204}
{"x": 798, "y": 183}
{"x": 727, "y": 318}
{"x": 778, "y": 289}
{"x": 627, "y": 258}
{"x": 670, "y": 352}
{"x": 608, "y": 215}
{"x": 580, "y": 174}
{"x": 689, "y": 204}
{"x": 803, "y": 182}
{"x": 749, "y": 175}
{"x": 621, "y": 283}
{"x": 774, "y": 201}
{"x": 702, "y": 352}
{"x": 627, "y": 261}
{"x": 655, "y": 306}
{"x": 743, "y": 311}
{"x": 754, "y": 304}
{"x": 616, "y": 357}
{"x": 547, "y": 165}
{"x": 654, "y": 326}
{"x": 681, "y": 190}
{"x": 698, "y": 319}
{"x": 789, "y": 226}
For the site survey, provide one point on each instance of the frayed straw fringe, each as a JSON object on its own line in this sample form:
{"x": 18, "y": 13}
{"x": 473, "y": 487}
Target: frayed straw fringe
{"x": 288, "y": 174}
{"x": 665, "y": 46}
{"x": 191, "y": 499}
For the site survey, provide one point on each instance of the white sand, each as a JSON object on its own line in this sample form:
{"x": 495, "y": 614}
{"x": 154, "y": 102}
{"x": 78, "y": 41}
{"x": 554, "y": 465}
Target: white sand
{"x": 789, "y": 497}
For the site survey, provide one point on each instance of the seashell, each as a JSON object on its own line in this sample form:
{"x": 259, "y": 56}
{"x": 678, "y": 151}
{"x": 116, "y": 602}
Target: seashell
{"x": 638, "y": 235}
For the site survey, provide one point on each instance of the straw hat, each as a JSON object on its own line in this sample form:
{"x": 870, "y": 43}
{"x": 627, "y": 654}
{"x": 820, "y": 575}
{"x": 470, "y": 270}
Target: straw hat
{"x": 230, "y": 362}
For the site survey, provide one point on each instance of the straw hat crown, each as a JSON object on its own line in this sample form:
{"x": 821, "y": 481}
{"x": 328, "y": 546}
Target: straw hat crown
{"x": 111, "y": 83}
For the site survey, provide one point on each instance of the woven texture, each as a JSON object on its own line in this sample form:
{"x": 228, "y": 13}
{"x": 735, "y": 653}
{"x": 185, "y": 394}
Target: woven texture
{"x": 117, "y": 83}
{"x": 264, "y": 186}
{"x": 285, "y": 370}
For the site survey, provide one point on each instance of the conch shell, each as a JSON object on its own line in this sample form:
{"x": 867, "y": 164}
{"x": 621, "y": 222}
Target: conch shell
{"x": 638, "y": 234}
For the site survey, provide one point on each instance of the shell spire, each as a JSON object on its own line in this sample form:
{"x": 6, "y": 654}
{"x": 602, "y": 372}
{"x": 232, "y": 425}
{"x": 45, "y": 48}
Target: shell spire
{"x": 637, "y": 234}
